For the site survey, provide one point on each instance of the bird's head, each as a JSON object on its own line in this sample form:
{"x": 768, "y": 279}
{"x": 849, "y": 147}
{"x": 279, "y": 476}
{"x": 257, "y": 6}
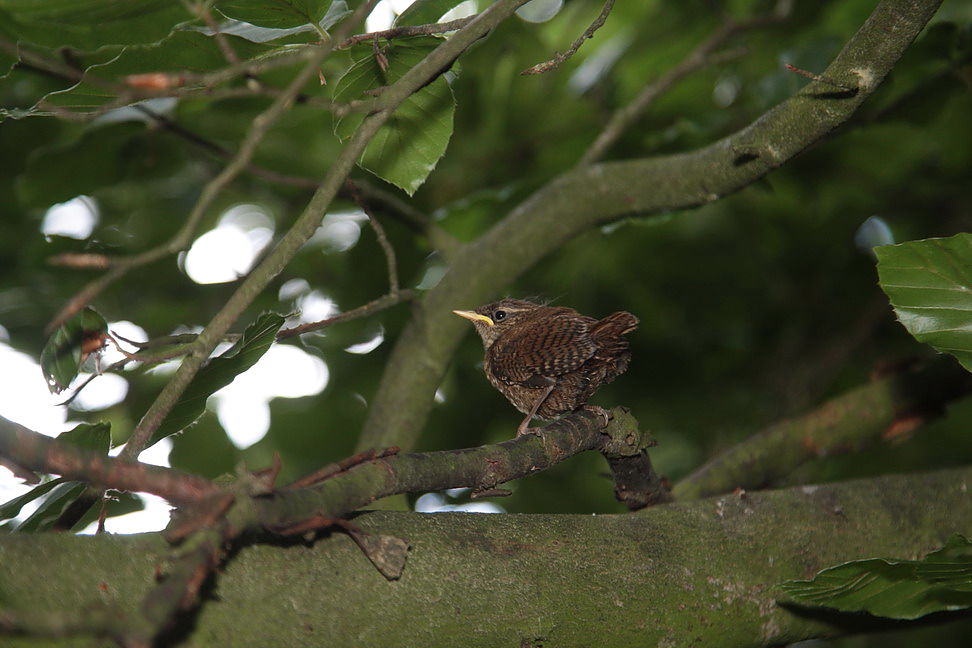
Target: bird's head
{"x": 492, "y": 320}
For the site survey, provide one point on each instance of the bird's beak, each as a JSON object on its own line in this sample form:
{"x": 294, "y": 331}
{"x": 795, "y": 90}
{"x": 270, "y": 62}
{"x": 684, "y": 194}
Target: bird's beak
{"x": 473, "y": 316}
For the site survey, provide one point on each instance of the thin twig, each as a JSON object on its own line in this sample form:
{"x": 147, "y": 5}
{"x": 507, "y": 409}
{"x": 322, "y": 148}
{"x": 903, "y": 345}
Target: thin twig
{"x": 258, "y": 128}
{"x": 408, "y": 30}
{"x": 556, "y": 61}
{"x": 306, "y": 224}
{"x": 201, "y": 9}
{"x": 380, "y": 234}
{"x": 223, "y": 153}
{"x": 372, "y": 307}
{"x": 813, "y": 76}
{"x": 702, "y": 56}
{"x": 339, "y": 467}
{"x": 407, "y": 214}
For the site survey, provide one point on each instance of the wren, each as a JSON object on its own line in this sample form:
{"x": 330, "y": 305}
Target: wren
{"x": 547, "y": 360}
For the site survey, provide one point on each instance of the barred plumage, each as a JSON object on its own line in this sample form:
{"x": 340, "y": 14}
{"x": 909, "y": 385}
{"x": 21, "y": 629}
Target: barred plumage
{"x": 548, "y": 361}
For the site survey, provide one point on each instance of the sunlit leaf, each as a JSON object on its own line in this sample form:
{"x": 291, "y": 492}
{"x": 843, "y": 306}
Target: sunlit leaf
{"x": 898, "y": 589}
{"x": 279, "y": 14}
{"x": 58, "y": 501}
{"x": 929, "y": 283}
{"x": 220, "y": 372}
{"x": 68, "y": 347}
{"x": 249, "y": 31}
{"x": 422, "y": 12}
{"x": 11, "y": 509}
{"x": 406, "y": 149}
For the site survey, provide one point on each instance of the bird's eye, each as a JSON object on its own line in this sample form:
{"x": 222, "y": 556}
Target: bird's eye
{"x": 499, "y": 316}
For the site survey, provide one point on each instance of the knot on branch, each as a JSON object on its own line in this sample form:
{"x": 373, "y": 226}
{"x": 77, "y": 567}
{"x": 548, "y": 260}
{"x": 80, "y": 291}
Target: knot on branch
{"x": 625, "y": 447}
{"x": 622, "y": 436}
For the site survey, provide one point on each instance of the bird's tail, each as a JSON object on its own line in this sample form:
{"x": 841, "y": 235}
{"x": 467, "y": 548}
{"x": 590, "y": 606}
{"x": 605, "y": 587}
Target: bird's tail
{"x": 614, "y": 326}
{"x": 612, "y": 349}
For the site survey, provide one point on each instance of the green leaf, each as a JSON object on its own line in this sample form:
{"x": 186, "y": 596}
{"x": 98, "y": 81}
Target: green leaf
{"x": 897, "y": 589}
{"x": 62, "y": 497}
{"x": 422, "y": 12}
{"x": 303, "y": 33}
{"x": 406, "y": 149}
{"x": 91, "y": 24}
{"x": 220, "y": 372}
{"x": 95, "y": 437}
{"x": 11, "y": 509}
{"x": 278, "y": 14}
{"x": 68, "y": 347}
{"x": 929, "y": 283}
{"x": 183, "y": 51}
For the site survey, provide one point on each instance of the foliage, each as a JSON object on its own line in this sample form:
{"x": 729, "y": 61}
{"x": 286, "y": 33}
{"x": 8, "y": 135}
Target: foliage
{"x": 219, "y": 372}
{"x": 777, "y": 338}
{"x": 60, "y": 493}
{"x": 757, "y": 305}
{"x": 930, "y": 285}
{"x": 70, "y": 346}
{"x": 407, "y": 149}
{"x": 898, "y": 589}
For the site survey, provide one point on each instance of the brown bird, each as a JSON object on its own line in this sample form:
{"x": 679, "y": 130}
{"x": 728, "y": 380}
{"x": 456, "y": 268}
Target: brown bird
{"x": 548, "y": 360}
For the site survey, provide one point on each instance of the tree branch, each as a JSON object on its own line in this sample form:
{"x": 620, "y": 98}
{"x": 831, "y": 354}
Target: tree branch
{"x": 686, "y": 574}
{"x": 38, "y": 452}
{"x": 700, "y": 57}
{"x": 598, "y": 194}
{"x": 386, "y": 247}
{"x": 556, "y": 61}
{"x": 408, "y": 30}
{"x": 881, "y": 411}
{"x": 240, "y": 161}
{"x": 372, "y": 307}
{"x": 307, "y": 223}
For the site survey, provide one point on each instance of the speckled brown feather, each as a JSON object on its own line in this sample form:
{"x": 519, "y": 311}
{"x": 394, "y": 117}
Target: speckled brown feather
{"x": 539, "y": 346}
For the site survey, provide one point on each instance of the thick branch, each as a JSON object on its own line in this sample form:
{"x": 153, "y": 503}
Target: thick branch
{"x": 482, "y": 468}
{"x": 882, "y": 410}
{"x": 589, "y": 196}
{"x": 690, "y": 574}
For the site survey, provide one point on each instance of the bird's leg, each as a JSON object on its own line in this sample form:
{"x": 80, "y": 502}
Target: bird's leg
{"x": 524, "y": 425}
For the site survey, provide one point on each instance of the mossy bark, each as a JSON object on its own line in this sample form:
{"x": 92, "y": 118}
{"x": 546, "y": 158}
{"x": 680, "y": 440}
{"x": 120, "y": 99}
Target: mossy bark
{"x": 696, "y": 573}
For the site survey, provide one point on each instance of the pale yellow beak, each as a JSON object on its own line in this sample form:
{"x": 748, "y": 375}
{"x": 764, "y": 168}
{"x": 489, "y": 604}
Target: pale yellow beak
{"x": 473, "y": 316}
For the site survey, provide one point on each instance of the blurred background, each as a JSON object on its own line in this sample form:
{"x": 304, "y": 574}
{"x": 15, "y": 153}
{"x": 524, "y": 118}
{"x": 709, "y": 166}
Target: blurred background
{"x": 753, "y": 308}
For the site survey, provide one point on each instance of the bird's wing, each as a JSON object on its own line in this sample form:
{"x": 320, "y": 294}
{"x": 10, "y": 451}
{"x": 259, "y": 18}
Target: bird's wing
{"x": 557, "y": 345}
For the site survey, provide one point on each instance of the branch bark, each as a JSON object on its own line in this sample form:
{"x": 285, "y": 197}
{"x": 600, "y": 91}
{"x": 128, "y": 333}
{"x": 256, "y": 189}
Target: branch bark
{"x": 688, "y": 574}
{"x": 598, "y": 194}
{"x": 883, "y": 410}
{"x": 37, "y": 452}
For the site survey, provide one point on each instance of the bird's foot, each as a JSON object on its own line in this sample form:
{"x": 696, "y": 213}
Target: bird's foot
{"x": 524, "y": 429}
{"x": 600, "y": 411}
